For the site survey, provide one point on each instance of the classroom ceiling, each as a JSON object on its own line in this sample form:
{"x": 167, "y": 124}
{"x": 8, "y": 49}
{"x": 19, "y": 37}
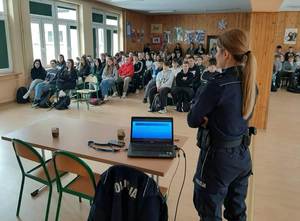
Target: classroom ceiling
{"x": 182, "y": 6}
{"x": 290, "y": 5}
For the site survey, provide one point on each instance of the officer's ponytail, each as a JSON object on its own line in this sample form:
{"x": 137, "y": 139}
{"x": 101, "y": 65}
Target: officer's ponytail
{"x": 236, "y": 43}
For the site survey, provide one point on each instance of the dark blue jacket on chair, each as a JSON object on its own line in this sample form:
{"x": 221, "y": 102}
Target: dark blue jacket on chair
{"x": 126, "y": 194}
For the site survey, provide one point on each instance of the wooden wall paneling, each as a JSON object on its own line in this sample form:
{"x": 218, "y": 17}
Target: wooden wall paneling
{"x": 262, "y": 43}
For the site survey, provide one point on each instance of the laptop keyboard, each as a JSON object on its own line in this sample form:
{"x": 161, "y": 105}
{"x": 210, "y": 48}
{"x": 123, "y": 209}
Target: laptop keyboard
{"x": 152, "y": 147}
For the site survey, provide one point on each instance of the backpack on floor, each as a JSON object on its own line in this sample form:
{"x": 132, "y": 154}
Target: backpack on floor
{"x": 45, "y": 100}
{"x": 96, "y": 101}
{"x": 155, "y": 106}
{"x": 20, "y": 93}
{"x": 62, "y": 103}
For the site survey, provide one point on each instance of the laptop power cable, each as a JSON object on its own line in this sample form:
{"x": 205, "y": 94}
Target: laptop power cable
{"x": 184, "y": 177}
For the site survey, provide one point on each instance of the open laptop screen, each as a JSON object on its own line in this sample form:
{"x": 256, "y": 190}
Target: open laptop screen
{"x": 150, "y": 129}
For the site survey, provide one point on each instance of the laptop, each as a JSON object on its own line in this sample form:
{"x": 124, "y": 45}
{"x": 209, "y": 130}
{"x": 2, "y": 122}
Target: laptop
{"x": 151, "y": 137}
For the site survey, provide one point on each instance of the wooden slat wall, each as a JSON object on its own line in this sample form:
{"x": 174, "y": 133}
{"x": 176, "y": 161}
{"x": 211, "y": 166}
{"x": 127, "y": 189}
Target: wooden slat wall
{"x": 207, "y": 22}
{"x": 138, "y": 21}
{"x": 262, "y": 43}
{"x": 287, "y": 20}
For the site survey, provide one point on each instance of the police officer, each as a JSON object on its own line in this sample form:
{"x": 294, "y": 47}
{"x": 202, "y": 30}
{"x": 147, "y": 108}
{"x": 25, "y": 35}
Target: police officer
{"x": 221, "y": 113}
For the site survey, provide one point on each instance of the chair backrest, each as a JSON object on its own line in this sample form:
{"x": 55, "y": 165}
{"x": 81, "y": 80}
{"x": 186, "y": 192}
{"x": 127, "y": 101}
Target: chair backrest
{"x": 91, "y": 79}
{"x": 25, "y": 150}
{"x": 67, "y": 162}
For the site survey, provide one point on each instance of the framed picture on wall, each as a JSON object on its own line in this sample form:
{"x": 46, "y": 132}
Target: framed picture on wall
{"x": 211, "y": 41}
{"x": 156, "y": 40}
{"x": 290, "y": 36}
{"x": 156, "y": 29}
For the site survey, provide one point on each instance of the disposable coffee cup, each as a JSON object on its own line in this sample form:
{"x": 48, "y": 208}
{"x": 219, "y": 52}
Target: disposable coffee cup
{"x": 121, "y": 135}
{"x": 55, "y": 132}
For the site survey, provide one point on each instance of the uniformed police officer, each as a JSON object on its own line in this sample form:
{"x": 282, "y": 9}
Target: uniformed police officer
{"x": 221, "y": 113}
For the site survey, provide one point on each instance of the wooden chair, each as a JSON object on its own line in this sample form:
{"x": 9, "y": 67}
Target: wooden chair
{"x": 85, "y": 93}
{"x": 83, "y": 185}
{"x": 44, "y": 172}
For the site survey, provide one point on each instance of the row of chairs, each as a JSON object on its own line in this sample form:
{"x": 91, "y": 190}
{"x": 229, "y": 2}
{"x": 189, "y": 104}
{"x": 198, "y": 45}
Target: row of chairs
{"x": 51, "y": 170}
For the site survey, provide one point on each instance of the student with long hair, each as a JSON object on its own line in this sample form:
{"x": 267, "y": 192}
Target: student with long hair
{"x": 224, "y": 108}
{"x": 109, "y": 77}
{"x": 66, "y": 80}
{"x": 38, "y": 74}
{"x": 84, "y": 68}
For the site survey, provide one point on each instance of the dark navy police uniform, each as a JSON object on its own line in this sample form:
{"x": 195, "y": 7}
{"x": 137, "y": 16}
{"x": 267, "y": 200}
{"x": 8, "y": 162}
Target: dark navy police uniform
{"x": 224, "y": 163}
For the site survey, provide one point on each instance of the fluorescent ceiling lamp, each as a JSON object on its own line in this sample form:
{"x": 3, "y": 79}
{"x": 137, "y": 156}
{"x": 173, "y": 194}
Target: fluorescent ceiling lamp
{"x": 164, "y": 11}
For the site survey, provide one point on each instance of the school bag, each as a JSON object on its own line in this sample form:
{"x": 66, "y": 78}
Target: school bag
{"x": 62, "y": 103}
{"x": 20, "y": 93}
{"x": 155, "y": 106}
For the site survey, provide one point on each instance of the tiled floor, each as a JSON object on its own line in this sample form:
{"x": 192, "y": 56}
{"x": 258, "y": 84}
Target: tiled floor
{"x": 276, "y": 161}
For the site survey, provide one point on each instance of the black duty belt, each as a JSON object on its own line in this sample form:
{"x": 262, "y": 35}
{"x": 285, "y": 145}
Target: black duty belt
{"x": 227, "y": 143}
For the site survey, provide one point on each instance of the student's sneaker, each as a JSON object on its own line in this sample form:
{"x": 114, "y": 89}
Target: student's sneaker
{"x": 145, "y": 100}
{"x": 105, "y": 98}
{"x": 137, "y": 91}
{"x": 124, "y": 95}
{"x": 163, "y": 111}
{"x": 149, "y": 109}
{"x": 115, "y": 94}
{"x": 26, "y": 96}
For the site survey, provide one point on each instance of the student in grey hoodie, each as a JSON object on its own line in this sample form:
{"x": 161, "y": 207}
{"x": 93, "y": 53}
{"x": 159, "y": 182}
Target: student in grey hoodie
{"x": 164, "y": 82}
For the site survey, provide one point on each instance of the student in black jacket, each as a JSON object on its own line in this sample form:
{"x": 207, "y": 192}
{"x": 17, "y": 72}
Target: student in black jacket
{"x": 84, "y": 69}
{"x": 67, "y": 79}
{"x": 191, "y": 50}
{"x": 38, "y": 74}
{"x": 61, "y": 65}
{"x": 138, "y": 73}
{"x": 200, "y": 50}
{"x": 183, "y": 92}
{"x": 289, "y": 53}
{"x": 178, "y": 50}
{"x": 196, "y": 73}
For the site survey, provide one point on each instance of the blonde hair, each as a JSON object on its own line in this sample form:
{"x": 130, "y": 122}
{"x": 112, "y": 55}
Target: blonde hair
{"x": 236, "y": 43}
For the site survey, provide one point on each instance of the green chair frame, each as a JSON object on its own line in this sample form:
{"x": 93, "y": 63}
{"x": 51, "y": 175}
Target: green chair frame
{"x": 35, "y": 156}
{"x": 65, "y": 188}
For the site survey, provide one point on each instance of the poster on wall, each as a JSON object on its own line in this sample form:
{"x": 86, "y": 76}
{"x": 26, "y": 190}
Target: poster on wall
{"x": 178, "y": 34}
{"x": 128, "y": 29}
{"x": 199, "y": 36}
{"x": 290, "y": 36}
{"x": 156, "y": 40}
{"x": 189, "y": 36}
{"x": 167, "y": 37}
{"x": 156, "y": 28}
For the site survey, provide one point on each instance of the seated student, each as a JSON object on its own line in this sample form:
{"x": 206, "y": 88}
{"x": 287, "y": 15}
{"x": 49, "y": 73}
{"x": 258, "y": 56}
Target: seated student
{"x": 178, "y": 50}
{"x": 48, "y": 84}
{"x": 196, "y": 73}
{"x": 152, "y": 82}
{"x": 66, "y": 80}
{"x": 191, "y": 49}
{"x": 172, "y": 57}
{"x": 289, "y": 66}
{"x": 210, "y": 72}
{"x": 96, "y": 70}
{"x": 289, "y": 53}
{"x": 77, "y": 63}
{"x": 109, "y": 77}
{"x": 277, "y": 65}
{"x": 164, "y": 82}
{"x": 38, "y": 74}
{"x": 126, "y": 73}
{"x": 61, "y": 65}
{"x": 199, "y": 63}
{"x": 279, "y": 50}
{"x": 116, "y": 63}
{"x": 90, "y": 61}
{"x": 147, "y": 48}
{"x": 213, "y": 50}
{"x": 200, "y": 50}
{"x": 141, "y": 57}
{"x": 297, "y": 61}
{"x": 138, "y": 73}
{"x": 84, "y": 69}
{"x": 103, "y": 58}
{"x": 175, "y": 67}
{"x": 148, "y": 70}
{"x": 179, "y": 59}
{"x": 183, "y": 92}
{"x": 149, "y": 62}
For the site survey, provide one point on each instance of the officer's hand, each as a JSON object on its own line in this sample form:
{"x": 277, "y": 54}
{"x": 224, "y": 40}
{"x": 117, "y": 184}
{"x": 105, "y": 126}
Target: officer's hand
{"x": 205, "y": 122}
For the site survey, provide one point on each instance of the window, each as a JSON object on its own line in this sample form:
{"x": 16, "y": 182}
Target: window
{"x": 1, "y": 6}
{"x": 36, "y": 40}
{"x": 111, "y": 20}
{"x": 66, "y": 13}
{"x": 54, "y": 30}
{"x": 5, "y": 60}
{"x": 105, "y": 33}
